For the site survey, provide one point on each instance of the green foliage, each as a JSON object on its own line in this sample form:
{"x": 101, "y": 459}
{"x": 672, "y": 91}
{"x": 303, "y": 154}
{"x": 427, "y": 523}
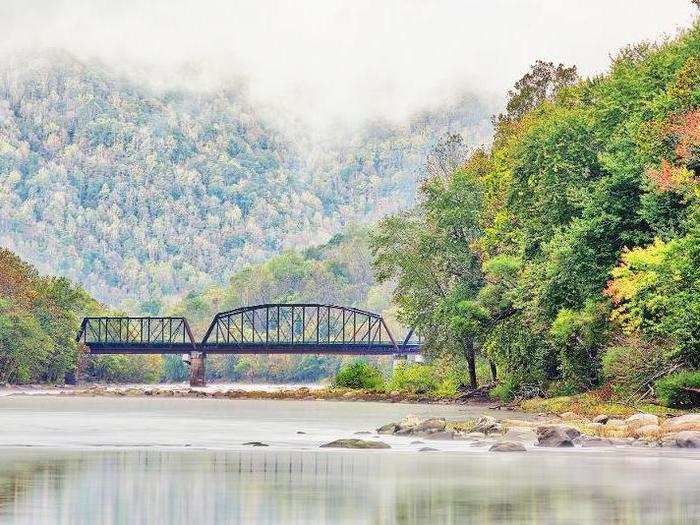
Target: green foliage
{"x": 434, "y": 379}
{"x": 506, "y": 390}
{"x": 580, "y": 336}
{"x": 581, "y": 175}
{"x": 359, "y": 375}
{"x": 633, "y": 365}
{"x": 39, "y": 317}
{"x": 414, "y": 378}
{"x": 125, "y": 368}
{"x": 174, "y": 369}
{"x": 674, "y": 390}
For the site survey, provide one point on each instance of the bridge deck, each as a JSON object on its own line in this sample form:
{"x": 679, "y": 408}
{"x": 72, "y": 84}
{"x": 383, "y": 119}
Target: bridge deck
{"x": 252, "y": 348}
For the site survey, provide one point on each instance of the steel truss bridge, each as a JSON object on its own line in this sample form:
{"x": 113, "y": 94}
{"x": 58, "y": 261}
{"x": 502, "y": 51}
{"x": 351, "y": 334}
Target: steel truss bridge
{"x": 307, "y": 328}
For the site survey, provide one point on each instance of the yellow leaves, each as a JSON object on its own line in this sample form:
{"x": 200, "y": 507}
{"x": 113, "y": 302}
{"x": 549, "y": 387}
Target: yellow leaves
{"x": 636, "y": 273}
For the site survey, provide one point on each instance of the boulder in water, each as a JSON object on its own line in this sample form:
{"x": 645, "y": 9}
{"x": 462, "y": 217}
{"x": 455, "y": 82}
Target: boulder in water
{"x": 507, "y": 446}
{"x": 355, "y": 443}
{"x": 556, "y": 436}
{"x": 389, "y": 428}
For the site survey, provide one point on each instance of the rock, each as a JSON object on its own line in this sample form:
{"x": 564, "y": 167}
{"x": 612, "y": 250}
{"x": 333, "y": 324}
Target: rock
{"x": 349, "y": 395}
{"x": 427, "y": 449}
{"x": 507, "y": 446}
{"x": 256, "y": 444}
{"x": 556, "y": 436}
{"x": 648, "y": 430}
{"x": 411, "y": 421}
{"x": 669, "y": 440}
{"x": 520, "y": 434}
{"x": 593, "y": 442}
{"x": 416, "y": 443}
{"x": 475, "y": 435}
{"x": 389, "y": 428}
{"x": 640, "y": 420}
{"x": 302, "y": 432}
{"x": 133, "y": 392}
{"x": 568, "y": 415}
{"x": 355, "y": 443}
{"x": 688, "y": 439}
{"x": 362, "y": 432}
{"x": 432, "y": 425}
{"x": 595, "y": 426}
{"x": 443, "y": 435}
{"x": 602, "y": 419}
{"x": 487, "y": 425}
{"x": 686, "y": 422}
{"x": 615, "y": 423}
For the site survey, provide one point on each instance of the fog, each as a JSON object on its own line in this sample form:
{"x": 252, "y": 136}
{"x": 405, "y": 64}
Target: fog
{"x": 323, "y": 61}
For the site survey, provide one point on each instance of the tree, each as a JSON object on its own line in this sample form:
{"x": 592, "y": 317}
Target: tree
{"x": 542, "y": 82}
{"x": 430, "y": 254}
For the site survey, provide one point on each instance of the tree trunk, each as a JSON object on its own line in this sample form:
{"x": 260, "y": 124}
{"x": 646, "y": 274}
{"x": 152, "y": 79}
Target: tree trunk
{"x": 494, "y": 376}
{"x": 471, "y": 361}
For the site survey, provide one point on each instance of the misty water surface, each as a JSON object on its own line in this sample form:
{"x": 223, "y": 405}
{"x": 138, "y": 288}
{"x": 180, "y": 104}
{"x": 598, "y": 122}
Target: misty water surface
{"x": 107, "y": 460}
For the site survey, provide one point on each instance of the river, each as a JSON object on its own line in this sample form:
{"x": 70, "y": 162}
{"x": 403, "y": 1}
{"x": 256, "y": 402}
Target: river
{"x": 180, "y": 460}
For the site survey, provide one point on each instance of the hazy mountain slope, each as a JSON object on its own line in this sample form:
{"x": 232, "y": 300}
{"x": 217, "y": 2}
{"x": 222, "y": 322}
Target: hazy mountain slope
{"x": 139, "y": 193}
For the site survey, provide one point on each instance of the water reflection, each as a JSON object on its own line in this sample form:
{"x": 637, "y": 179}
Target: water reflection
{"x": 266, "y": 486}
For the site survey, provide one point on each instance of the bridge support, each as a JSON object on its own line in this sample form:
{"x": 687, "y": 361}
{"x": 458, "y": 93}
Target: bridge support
{"x": 197, "y": 369}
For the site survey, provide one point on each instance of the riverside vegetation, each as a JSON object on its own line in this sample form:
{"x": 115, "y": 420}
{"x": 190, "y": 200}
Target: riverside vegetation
{"x": 563, "y": 262}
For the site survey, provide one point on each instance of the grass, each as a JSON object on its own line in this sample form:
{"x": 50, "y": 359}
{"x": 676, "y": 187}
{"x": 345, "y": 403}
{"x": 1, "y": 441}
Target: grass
{"x": 592, "y": 404}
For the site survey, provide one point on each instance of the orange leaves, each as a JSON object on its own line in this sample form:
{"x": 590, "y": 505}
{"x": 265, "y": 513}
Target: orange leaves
{"x": 676, "y": 176}
{"x": 687, "y": 131}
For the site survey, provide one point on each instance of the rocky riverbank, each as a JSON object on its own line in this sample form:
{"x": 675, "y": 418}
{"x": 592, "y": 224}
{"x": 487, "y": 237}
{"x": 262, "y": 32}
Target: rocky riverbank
{"x": 566, "y": 430}
{"x": 294, "y": 393}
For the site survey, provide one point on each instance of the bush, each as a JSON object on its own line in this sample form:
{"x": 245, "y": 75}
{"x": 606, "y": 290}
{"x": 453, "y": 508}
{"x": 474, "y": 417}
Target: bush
{"x": 579, "y": 336}
{"x": 431, "y": 379}
{"x": 631, "y": 365}
{"x": 359, "y": 375}
{"x": 672, "y": 389}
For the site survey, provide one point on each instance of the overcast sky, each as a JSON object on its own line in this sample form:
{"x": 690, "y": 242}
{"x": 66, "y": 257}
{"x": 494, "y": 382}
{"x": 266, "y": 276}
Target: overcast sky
{"x": 348, "y": 59}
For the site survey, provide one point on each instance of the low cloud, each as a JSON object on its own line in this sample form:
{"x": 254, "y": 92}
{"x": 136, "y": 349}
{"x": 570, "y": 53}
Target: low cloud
{"x": 322, "y": 61}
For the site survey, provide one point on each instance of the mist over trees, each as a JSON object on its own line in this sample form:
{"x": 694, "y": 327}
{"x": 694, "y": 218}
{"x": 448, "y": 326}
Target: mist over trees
{"x": 143, "y": 194}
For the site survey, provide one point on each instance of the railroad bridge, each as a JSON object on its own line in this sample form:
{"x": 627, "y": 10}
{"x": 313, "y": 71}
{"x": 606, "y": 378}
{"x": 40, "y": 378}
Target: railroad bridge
{"x": 307, "y": 328}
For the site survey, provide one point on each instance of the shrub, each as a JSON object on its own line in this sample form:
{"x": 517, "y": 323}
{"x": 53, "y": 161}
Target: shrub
{"x": 511, "y": 386}
{"x": 631, "y": 366}
{"x": 439, "y": 378}
{"x": 414, "y": 378}
{"x": 359, "y": 375}
{"x": 673, "y": 391}
{"x": 579, "y": 337}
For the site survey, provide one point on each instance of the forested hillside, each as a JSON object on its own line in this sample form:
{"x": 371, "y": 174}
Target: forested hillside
{"x": 141, "y": 193}
{"x": 337, "y": 272}
{"x": 569, "y": 252}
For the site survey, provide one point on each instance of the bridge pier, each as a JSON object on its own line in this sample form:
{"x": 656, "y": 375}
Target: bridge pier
{"x": 197, "y": 369}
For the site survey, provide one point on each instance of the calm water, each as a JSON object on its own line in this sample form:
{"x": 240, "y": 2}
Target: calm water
{"x": 171, "y": 461}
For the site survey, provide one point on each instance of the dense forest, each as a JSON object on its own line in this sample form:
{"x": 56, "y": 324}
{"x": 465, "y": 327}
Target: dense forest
{"x": 569, "y": 252}
{"x": 144, "y": 193}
